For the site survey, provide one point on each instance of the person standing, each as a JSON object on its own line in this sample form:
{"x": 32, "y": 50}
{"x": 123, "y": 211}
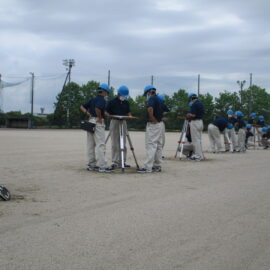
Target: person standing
{"x": 118, "y": 106}
{"x": 214, "y": 129}
{"x": 196, "y": 126}
{"x": 260, "y": 124}
{"x": 241, "y": 125}
{"x": 153, "y": 134}
{"x": 94, "y": 109}
{"x": 165, "y": 110}
{"x": 230, "y": 132}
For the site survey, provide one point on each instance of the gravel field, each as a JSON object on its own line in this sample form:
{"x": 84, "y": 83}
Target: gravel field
{"x": 209, "y": 215}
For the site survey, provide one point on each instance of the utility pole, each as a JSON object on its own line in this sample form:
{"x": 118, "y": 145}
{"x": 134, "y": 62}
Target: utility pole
{"x": 109, "y": 78}
{"x": 152, "y": 80}
{"x": 199, "y": 79}
{"x": 32, "y": 98}
{"x": 250, "y": 103}
{"x": 1, "y": 96}
{"x": 69, "y": 63}
{"x": 241, "y": 84}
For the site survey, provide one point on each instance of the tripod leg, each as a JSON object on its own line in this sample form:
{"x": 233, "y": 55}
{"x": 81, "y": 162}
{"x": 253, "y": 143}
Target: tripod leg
{"x": 132, "y": 150}
{"x": 180, "y": 139}
{"x": 122, "y": 146}
{"x": 107, "y": 137}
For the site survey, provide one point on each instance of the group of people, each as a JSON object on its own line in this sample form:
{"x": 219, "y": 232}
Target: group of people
{"x": 249, "y": 134}
{"x": 96, "y": 109}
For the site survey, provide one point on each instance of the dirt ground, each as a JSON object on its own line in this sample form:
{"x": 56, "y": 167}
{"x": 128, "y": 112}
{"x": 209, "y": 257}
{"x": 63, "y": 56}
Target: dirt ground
{"x": 205, "y": 215}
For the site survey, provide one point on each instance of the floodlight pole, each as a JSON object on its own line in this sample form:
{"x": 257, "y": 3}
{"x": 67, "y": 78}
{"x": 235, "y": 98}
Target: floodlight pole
{"x": 32, "y": 98}
{"x": 241, "y": 84}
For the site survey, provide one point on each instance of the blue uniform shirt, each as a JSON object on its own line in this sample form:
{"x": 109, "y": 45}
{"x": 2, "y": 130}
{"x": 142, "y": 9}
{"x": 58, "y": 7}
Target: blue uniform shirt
{"x": 97, "y": 102}
{"x": 261, "y": 123}
{"x": 241, "y": 123}
{"x": 232, "y": 120}
{"x": 118, "y": 107}
{"x": 164, "y": 107}
{"x": 197, "y": 108}
{"x": 155, "y": 103}
{"x": 220, "y": 122}
{"x": 251, "y": 121}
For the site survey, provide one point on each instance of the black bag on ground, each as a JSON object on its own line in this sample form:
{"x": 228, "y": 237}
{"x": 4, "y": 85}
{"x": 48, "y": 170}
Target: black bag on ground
{"x": 4, "y": 194}
{"x": 88, "y": 126}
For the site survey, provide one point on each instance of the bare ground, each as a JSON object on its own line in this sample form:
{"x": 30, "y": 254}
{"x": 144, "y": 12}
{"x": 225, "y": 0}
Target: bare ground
{"x": 205, "y": 215}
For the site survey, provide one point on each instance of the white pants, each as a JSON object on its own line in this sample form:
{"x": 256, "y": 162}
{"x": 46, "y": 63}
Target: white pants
{"x": 163, "y": 133}
{"x": 115, "y": 140}
{"x": 196, "y": 128}
{"x": 265, "y": 142}
{"x": 214, "y": 138}
{"x": 188, "y": 147}
{"x": 232, "y": 136}
{"x": 259, "y": 134}
{"x": 96, "y": 146}
{"x": 153, "y": 145}
{"x": 241, "y": 139}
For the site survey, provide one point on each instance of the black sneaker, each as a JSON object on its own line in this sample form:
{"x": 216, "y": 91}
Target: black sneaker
{"x": 195, "y": 159}
{"x": 105, "y": 170}
{"x": 92, "y": 168}
{"x": 156, "y": 169}
{"x": 143, "y": 170}
{"x": 127, "y": 166}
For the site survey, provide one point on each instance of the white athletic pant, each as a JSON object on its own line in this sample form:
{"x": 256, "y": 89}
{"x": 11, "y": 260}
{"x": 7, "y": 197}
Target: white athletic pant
{"x": 214, "y": 138}
{"x": 196, "y": 128}
{"x": 163, "y": 133}
{"x": 232, "y": 137}
{"x": 115, "y": 140}
{"x": 259, "y": 134}
{"x": 153, "y": 145}
{"x": 96, "y": 146}
{"x": 241, "y": 139}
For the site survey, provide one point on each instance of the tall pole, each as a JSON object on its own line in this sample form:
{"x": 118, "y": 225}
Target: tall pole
{"x": 109, "y": 78}
{"x": 250, "y": 94}
{"x": 152, "y": 80}
{"x": 199, "y": 84}
{"x": 1, "y": 97}
{"x": 32, "y": 98}
{"x": 241, "y": 84}
{"x": 68, "y": 63}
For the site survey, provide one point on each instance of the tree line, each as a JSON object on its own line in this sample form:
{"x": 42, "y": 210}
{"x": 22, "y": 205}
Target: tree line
{"x": 67, "y": 113}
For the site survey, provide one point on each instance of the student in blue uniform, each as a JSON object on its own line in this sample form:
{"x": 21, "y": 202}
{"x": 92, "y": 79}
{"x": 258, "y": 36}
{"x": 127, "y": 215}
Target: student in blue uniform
{"x": 252, "y": 121}
{"x": 118, "y": 106}
{"x": 249, "y": 134}
{"x": 266, "y": 137}
{"x": 195, "y": 116}
{"x": 214, "y": 130}
{"x": 153, "y": 134}
{"x": 259, "y": 125}
{"x": 165, "y": 110}
{"x": 241, "y": 125}
{"x": 94, "y": 109}
{"x": 229, "y": 133}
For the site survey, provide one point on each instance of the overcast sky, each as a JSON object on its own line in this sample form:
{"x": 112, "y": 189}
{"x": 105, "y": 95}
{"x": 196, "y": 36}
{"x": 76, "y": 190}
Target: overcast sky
{"x": 174, "y": 40}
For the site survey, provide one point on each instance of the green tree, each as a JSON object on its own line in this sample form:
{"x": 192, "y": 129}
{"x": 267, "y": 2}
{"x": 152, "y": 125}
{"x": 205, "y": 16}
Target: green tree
{"x": 226, "y": 101}
{"x": 68, "y": 100}
{"x": 256, "y": 99}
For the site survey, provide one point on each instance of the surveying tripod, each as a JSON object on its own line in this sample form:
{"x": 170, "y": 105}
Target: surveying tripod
{"x": 122, "y": 141}
{"x": 182, "y": 139}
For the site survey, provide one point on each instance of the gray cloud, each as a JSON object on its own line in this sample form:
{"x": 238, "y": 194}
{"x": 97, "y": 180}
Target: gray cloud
{"x": 174, "y": 40}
